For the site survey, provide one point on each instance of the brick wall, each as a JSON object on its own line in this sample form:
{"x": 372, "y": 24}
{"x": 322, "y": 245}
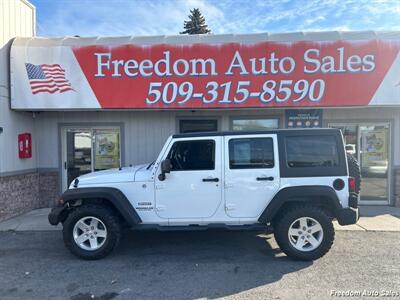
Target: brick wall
{"x": 18, "y": 194}
{"x": 22, "y": 193}
{"x": 48, "y": 188}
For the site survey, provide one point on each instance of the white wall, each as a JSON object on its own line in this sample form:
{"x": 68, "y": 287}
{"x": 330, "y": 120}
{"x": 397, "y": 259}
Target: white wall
{"x": 17, "y": 18}
{"x": 145, "y": 132}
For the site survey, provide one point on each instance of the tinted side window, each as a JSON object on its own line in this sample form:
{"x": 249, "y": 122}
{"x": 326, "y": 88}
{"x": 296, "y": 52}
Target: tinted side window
{"x": 192, "y": 155}
{"x": 311, "y": 151}
{"x": 251, "y": 153}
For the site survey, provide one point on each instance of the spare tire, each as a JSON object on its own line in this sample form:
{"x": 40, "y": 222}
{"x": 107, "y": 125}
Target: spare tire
{"x": 354, "y": 171}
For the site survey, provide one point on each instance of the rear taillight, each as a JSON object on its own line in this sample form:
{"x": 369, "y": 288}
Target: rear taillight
{"x": 352, "y": 185}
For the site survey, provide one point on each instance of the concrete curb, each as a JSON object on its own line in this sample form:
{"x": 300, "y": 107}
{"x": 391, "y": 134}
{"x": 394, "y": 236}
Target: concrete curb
{"x": 373, "y": 219}
{"x": 35, "y": 220}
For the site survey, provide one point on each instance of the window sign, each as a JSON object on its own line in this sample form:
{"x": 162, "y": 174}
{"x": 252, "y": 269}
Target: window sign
{"x": 374, "y": 143}
{"x": 374, "y": 158}
{"x": 303, "y": 118}
{"x": 107, "y": 152}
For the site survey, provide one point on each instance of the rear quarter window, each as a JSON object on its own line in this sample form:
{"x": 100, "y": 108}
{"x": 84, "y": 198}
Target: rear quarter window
{"x": 312, "y": 151}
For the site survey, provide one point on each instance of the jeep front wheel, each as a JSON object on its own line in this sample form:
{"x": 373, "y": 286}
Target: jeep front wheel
{"x": 304, "y": 232}
{"x": 91, "y": 232}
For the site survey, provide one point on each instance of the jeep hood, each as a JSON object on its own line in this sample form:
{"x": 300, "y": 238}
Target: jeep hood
{"x": 127, "y": 174}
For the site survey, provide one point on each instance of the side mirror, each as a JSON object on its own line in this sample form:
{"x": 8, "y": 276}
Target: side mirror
{"x": 166, "y": 166}
{"x": 165, "y": 169}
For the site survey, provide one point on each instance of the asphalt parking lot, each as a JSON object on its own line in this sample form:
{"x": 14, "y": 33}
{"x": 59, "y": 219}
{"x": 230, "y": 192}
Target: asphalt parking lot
{"x": 192, "y": 265}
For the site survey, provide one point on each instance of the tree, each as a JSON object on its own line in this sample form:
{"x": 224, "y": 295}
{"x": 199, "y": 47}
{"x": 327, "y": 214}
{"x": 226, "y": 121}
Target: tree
{"x": 196, "y": 23}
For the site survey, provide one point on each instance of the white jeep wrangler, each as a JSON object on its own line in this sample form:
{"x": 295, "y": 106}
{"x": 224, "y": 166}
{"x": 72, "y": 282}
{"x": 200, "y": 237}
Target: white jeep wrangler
{"x": 294, "y": 182}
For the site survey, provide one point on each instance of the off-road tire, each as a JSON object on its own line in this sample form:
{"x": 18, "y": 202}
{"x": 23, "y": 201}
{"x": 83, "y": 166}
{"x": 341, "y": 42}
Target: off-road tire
{"x": 354, "y": 171}
{"x": 286, "y": 218}
{"x": 111, "y": 222}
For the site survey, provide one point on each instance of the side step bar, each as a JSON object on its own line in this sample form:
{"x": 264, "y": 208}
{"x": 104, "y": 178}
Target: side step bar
{"x": 195, "y": 227}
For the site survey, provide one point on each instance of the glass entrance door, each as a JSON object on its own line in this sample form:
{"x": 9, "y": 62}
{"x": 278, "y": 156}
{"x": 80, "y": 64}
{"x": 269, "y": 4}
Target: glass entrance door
{"x": 85, "y": 150}
{"x": 370, "y": 144}
{"x": 374, "y": 160}
{"x": 79, "y": 153}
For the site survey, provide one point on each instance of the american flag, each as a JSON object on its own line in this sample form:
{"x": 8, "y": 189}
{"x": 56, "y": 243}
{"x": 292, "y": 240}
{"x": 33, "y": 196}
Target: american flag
{"x": 47, "y": 78}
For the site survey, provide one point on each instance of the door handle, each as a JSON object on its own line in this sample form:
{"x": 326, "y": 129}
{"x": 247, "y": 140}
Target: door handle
{"x": 270, "y": 178}
{"x": 210, "y": 179}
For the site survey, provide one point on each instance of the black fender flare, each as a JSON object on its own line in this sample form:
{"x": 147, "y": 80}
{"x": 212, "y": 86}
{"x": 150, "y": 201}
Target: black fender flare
{"x": 305, "y": 194}
{"x": 113, "y": 195}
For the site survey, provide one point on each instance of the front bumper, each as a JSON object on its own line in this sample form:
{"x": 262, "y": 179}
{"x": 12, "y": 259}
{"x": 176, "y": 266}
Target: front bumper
{"x": 56, "y": 215}
{"x": 347, "y": 216}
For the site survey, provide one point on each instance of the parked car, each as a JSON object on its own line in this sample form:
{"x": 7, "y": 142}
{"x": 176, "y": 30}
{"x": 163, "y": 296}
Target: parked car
{"x": 351, "y": 149}
{"x": 293, "y": 182}
{"x": 377, "y": 169}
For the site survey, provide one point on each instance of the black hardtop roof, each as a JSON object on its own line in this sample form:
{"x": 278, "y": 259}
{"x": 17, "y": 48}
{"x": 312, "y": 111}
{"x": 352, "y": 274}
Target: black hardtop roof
{"x": 305, "y": 131}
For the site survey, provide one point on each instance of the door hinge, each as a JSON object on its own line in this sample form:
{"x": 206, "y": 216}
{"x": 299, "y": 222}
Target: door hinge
{"x": 160, "y": 186}
{"x": 160, "y": 207}
{"x": 230, "y": 207}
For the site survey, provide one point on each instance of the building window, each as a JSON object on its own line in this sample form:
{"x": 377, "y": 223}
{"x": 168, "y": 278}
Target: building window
{"x": 192, "y": 155}
{"x": 254, "y": 124}
{"x": 369, "y": 143}
{"x": 251, "y": 153}
{"x": 311, "y": 151}
{"x": 188, "y": 126}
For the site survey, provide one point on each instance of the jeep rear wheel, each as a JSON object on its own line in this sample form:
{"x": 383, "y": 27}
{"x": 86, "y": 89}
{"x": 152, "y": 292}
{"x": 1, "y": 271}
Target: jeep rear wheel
{"x": 91, "y": 232}
{"x": 304, "y": 232}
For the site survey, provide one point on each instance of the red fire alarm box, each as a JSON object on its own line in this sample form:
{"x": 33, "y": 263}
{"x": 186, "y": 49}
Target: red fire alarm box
{"x": 25, "y": 145}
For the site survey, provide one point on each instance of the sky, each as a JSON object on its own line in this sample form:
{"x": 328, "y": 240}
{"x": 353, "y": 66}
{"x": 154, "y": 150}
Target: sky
{"x": 165, "y": 17}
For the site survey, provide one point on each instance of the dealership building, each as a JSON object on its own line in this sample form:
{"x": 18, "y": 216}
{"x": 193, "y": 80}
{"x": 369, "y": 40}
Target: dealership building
{"x": 74, "y": 105}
